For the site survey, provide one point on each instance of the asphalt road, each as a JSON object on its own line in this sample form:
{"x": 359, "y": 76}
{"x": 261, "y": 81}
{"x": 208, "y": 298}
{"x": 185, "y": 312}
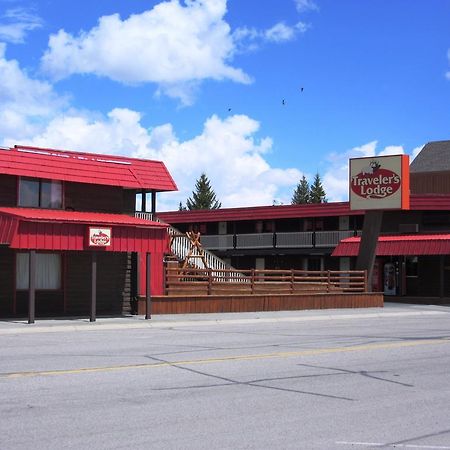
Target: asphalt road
{"x": 361, "y": 382}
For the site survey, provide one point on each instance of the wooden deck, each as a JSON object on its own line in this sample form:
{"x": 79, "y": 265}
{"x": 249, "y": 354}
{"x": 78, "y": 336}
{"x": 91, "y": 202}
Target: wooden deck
{"x": 207, "y": 291}
{"x": 257, "y": 302}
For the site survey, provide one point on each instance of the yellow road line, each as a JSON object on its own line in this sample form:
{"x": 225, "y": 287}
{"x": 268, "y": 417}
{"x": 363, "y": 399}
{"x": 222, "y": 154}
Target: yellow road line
{"x": 320, "y": 351}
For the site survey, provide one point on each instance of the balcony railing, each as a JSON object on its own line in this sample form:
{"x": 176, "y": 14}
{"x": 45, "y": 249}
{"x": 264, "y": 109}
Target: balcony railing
{"x": 143, "y": 215}
{"x": 304, "y": 239}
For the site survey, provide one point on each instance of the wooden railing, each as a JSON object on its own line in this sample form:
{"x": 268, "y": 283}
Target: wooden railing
{"x": 232, "y": 282}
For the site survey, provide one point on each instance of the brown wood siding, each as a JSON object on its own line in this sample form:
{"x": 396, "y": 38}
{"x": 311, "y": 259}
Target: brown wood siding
{"x": 430, "y": 183}
{"x": 113, "y": 283}
{"x": 253, "y": 303}
{"x": 7, "y": 277}
{"x": 90, "y": 197}
{"x": 8, "y": 188}
{"x": 48, "y": 303}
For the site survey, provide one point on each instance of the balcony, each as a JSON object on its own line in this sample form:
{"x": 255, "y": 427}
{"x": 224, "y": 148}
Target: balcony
{"x": 308, "y": 239}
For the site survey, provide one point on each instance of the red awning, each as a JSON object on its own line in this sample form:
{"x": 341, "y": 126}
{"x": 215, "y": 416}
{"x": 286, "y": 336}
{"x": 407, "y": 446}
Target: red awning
{"x": 421, "y": 244}
{"x": 44, "y": 229}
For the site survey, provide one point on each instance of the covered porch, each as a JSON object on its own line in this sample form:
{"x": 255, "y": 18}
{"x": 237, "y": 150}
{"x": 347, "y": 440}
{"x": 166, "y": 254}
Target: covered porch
{"x": 56, "y": 262}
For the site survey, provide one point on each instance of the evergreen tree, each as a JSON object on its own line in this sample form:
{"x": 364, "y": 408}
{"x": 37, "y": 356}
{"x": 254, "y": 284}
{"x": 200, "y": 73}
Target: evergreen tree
{"x": 204, "y": 196}
{"x": 301, "y": 193}
{"x": 316, "y": 191}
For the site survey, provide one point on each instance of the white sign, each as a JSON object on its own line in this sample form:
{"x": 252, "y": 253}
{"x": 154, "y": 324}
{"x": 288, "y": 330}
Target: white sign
{"x": 379, "y": 182}
{"x": 99, "y": 237}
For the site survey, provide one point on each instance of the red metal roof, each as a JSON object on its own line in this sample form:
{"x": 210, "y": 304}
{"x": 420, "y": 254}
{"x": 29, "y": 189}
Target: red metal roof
{"x": 422, "y": 244}
{"x": 258, "y": 213}
{"x": 418, "y": 202}
{"x": 25, "y": 228}
{"x": 91, "y": 168}
{"x": 62, "y": 216}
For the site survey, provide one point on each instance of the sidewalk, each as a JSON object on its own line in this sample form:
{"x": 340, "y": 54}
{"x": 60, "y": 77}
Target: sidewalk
{"x": 13, "y": 326}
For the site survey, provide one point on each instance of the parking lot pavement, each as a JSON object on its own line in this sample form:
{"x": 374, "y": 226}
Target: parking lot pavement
{"x": 14, "y": 326}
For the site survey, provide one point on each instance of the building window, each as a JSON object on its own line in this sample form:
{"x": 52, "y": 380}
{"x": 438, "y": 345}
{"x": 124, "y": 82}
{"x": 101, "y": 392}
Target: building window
{"x": 411, "y": 266}
{"x": 48, "y": 271}
{"x": 37, "y": 193}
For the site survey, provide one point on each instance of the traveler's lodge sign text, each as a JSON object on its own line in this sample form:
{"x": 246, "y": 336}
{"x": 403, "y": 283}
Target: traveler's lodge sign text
{"x": 379, "y": 182}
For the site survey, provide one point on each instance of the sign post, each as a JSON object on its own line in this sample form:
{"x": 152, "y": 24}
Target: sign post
{"x": 376, "y": 184}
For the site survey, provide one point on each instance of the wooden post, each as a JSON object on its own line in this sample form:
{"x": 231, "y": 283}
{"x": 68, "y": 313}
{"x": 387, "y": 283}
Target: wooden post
{"x": 292, "y": 281}
{"x": 32, "y": 287}
{"x": 144, "y": 201}
{"x": 328, "y": 281}
{"x": 153, "y": 205}
{"x": 368, "y": 244}
{"x": 253, "y": 280}
{"x": 93, "y": 287}
{"x": 148, "y": 300}
{"x": 366, "y": 283}
{"x": 209, "y": 281}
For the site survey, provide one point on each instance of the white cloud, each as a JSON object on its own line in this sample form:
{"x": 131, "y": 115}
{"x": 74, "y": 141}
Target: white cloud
{"x": 305, "y": 5}
{"x": 24, "y": 102}
{"x": 226, "y": 150}
{"x": 416, "y": 151}
{"x": 171, "y": 45}
{"x": 231, "y": 156}
{"x": 335, "y": 179}
{"x": 249, "y": 39}
{"x": 282, "y": 32}
{"x": 15, "y": 23}
{"x": 392, "y": 150}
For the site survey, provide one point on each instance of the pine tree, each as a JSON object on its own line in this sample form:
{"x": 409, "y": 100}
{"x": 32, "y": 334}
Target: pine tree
{"x": 204, "y": 196}
{"x": 301, "y": 193}
{"x": 316, "y": 191}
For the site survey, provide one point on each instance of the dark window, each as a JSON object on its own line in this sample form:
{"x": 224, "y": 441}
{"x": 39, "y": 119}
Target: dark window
{"x": 29, "y": 192}
{"x": 411, "y": 266}
{"x": 36, "y": 193}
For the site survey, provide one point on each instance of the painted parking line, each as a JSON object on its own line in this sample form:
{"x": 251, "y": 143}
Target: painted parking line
{"x": 311, "y": 352}
{"x": 386, "y": 445}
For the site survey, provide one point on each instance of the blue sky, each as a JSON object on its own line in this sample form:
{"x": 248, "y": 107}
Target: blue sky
{"x": 255, "y": 93}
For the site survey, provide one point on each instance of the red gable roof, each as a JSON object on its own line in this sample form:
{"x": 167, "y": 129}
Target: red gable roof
{"x": 88, "y": 168}
{"x": 418, "y": 202}
{"x": 422, "y": 244}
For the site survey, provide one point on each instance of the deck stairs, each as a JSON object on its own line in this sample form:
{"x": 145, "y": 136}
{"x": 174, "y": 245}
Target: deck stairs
{"x": 187, "y": 248}
{"x": 188, "y": 251}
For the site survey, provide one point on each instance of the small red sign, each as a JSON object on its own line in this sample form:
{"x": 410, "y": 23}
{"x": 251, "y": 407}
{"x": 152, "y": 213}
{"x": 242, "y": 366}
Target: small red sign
{"x": 375, "y": 182}
{"x": 99, "y": 237}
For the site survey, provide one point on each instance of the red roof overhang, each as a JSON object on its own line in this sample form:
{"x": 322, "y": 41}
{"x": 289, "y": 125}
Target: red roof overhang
{"x": 413, "y": 245}
{"x": 43, "y": 229}
{"x": 418, "y": 202}
{"x": 90, "y": 168}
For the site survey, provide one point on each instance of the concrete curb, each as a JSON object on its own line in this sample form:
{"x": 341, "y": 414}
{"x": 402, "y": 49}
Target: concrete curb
{"x": 139, "y": 323}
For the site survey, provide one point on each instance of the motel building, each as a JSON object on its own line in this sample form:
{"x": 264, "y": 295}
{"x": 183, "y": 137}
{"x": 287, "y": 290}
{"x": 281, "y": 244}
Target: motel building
{"x": 71, "y": 243}
{"x": 412, "y": 255}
